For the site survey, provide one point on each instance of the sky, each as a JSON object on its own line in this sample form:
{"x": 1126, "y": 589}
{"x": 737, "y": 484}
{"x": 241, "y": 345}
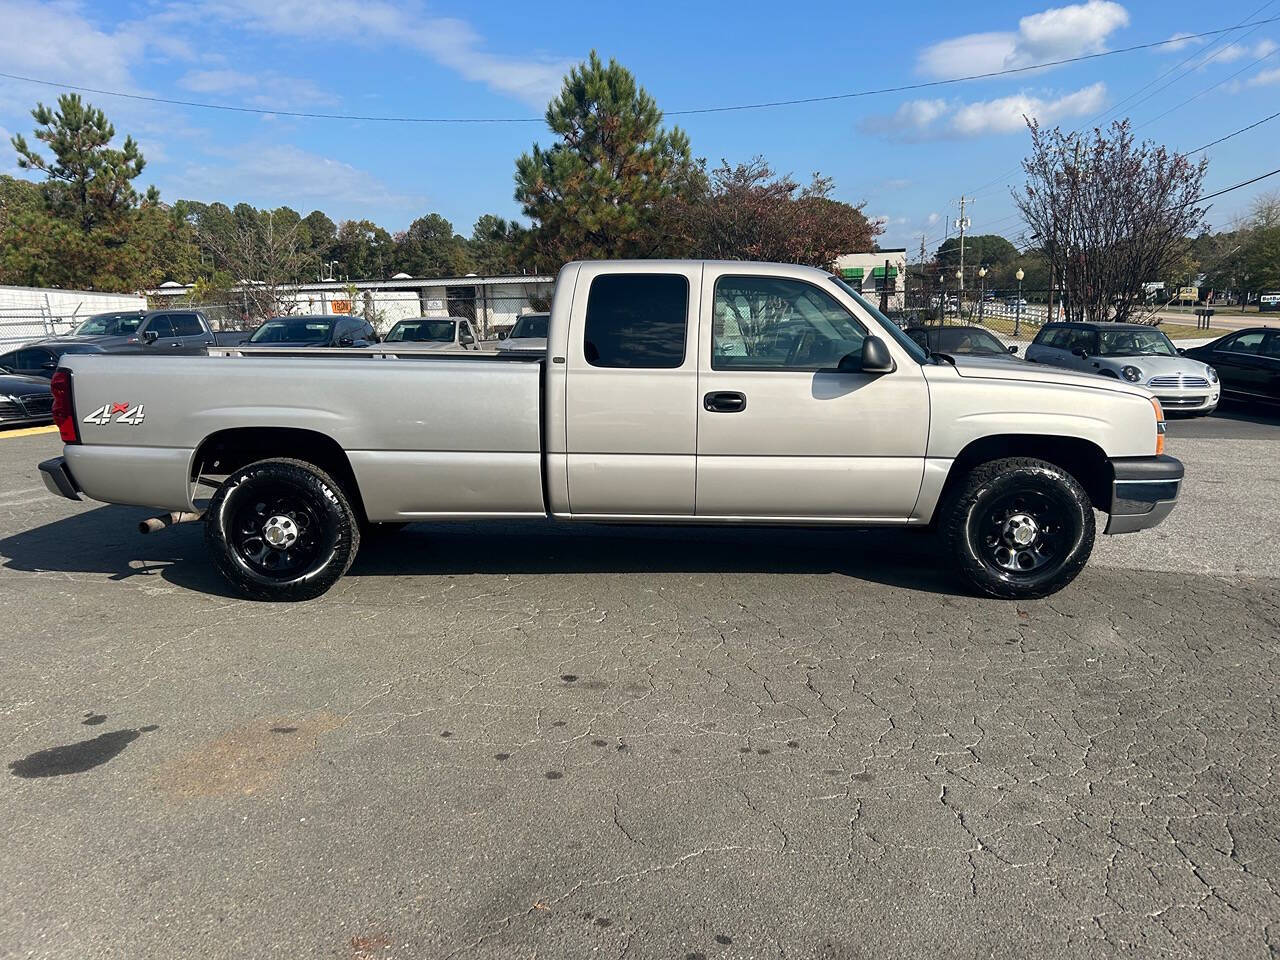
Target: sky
{"x": 908, "y": 156}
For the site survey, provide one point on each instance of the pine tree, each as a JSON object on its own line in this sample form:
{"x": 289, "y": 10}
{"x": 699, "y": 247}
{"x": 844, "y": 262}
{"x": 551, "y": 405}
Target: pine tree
{"x": 597, "y": 191}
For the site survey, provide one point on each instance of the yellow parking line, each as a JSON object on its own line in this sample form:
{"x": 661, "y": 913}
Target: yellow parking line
{"x": 27, "y": 431}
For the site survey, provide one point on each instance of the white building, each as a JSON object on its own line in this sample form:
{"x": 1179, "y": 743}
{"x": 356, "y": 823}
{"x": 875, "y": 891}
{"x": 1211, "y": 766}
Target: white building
{"x": 868, "y": 272}
{"x": 30, "y": 313}
{"x": 493, "y": 303}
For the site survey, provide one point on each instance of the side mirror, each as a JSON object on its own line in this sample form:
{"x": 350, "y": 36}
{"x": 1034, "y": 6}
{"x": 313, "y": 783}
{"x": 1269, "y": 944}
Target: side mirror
{"x": 150, "y": 336}
{"x": 1181, "y": 351}
{"x": 346, "y": 342}
{"x": 1081, "y": 352}
{"x": 1014, "y": 348}
{"x": 874, "y": 359}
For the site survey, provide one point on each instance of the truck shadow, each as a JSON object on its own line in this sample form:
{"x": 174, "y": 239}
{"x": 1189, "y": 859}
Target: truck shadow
{"x": 105, "y": 541}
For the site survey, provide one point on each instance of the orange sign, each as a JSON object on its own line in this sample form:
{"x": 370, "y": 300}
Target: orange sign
{"x": 340, "y": 306}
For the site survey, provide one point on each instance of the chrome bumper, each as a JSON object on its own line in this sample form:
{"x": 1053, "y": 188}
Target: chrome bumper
{"x": 1143, "y": 492}
{"x": 58, "y": 478}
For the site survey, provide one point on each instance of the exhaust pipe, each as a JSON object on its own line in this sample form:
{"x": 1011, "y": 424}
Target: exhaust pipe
{"x": 153, "y": 524}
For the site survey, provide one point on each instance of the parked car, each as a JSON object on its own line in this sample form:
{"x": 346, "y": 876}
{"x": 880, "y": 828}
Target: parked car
{"x": 164, "y": 331}
{"x": 447, "y": 333}
{"x": 322, "y": 330}
{"x": 24, "y": 400}
{"x": 529, "y": 335}
{"x": 1248, "y": 361}
{"x": 633, "y": 410}
{"x": 1016, "y": 302}
{"x": 1133, "y": 352}
{"x": 970, "y": 341}
{"x": 42, "y": 359}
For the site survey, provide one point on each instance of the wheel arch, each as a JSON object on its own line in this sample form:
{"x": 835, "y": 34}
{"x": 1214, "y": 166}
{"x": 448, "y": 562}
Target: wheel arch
{"x": 225, "y": 451}
{"x": 1083, "y": 459}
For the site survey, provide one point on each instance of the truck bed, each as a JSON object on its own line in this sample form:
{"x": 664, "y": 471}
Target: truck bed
{"x": 428, "y": 435}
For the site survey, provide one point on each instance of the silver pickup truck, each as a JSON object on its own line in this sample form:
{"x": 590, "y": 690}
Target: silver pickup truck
{"x": 670, "y": 392}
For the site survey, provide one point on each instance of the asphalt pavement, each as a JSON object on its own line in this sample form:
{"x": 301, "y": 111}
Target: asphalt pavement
{"x": 527, "y": 740}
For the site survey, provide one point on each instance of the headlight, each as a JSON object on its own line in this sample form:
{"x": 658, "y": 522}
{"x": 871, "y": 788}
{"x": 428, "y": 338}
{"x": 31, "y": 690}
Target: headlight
{"x": 1132, "y": 374}
{"x": 1213, "y": 374}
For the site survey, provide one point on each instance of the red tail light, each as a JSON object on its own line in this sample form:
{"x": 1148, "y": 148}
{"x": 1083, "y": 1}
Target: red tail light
{"x": 64, "y": 409}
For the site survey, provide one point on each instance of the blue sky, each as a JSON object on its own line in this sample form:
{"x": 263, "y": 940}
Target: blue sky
{"x": 908, "y": 156}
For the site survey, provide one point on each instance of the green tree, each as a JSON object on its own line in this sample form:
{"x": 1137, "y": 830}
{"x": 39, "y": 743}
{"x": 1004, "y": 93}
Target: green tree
{"x": 430, "y": 248}
{"x": 598, "y": 190}
{"x": 990, "y": 249}
{"x": 494, "y": 246}
{"x": 89, "y": 181}
{"x": 363, "y": 250}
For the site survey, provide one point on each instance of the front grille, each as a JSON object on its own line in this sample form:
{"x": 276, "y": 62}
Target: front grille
{"x": 39, "y": 405}
{"x": 1178, "y": 381}
{"x": 1172, "y": 402}
{"x": 9, "y": 410}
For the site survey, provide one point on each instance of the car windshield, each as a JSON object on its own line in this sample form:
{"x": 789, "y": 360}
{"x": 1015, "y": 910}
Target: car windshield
{"x": 301, "y": 330}
{"x": 965, "y": 340}
{"x": 918, "y": 353}
{"x": 531, "y": 325}
{"x": 109, "y": 325}
{"x": 421, "y": 331}
{"x": 1134, "y": 343}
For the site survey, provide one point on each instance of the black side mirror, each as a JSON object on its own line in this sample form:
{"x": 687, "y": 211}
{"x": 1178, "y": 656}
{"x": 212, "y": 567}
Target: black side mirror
{"x": 150, "y": 336}
{"x": 1014, "y": 348}
{"x": 874, "y": 359}
{"x": 346, "y": 342}
{"x": 1081, "y": 352}
{"x": 1181, "y": 351}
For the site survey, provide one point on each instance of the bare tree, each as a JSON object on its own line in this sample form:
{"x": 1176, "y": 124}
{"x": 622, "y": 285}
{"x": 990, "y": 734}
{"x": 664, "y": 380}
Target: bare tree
{"x": 1111, "y": 214}
{"x": 262, "y": 258}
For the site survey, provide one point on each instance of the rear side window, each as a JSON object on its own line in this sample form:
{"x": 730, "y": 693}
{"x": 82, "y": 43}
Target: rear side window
{"x": 637, "y": 320}
{"x": 186, "y": 325}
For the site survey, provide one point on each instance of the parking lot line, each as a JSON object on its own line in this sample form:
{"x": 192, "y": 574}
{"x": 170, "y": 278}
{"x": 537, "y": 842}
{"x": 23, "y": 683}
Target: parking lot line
{"x": 27, "y": 431}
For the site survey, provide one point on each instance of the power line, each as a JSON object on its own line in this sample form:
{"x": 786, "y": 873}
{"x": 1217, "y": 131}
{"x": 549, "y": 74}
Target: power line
{"x": 374, "y": 118}
{"x": 1237, "y": 186}
{"x": 1214, "y": 143}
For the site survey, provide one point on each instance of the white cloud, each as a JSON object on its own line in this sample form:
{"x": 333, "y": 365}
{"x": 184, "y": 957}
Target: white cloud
{"x": 1179, "y": 41}
{"x": 937, "y": 119}
{"x": 1053, "y": 34}
{"x": 1238, "y": 51}
{"x": 53, "y": 41}
{"x": 932, "y": 219}
{"x": 272, "y": 174}
{"x": 1264, "y": 78}
{"x": 262, "y": 88}
{"x": 380, "y": 25}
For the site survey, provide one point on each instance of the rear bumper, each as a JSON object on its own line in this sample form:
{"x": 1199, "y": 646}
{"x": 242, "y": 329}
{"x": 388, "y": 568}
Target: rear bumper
{"x": 58, "y": 478}
{"x": 1144, "y": 492}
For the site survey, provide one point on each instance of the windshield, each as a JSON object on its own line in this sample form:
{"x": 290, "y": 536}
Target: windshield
{"x": 1134, "y": 343}
{"x": 531, "y": 325}
{"x": 303, "y": 330}
{"x": 967, "y": 340}
{"x": 109, "y": 325}
{"x": 918, "y": 353}
{"x": 421, "y": 331}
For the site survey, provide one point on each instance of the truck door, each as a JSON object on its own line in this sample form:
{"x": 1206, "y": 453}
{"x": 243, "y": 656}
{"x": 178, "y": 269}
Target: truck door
{"x": 631, "y": 390}
{"x": 782, "y": 433}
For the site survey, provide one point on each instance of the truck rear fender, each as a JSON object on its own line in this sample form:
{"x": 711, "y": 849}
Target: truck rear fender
{"x": 225, "y": 451}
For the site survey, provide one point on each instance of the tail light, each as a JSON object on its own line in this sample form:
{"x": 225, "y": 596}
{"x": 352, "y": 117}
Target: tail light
{"x": 64, "y": 410}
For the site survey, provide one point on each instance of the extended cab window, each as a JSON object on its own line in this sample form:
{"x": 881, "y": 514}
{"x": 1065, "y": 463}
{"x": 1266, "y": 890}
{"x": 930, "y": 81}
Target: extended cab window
{"x": 637, "y": 320}
{"x": 771, "y": 323}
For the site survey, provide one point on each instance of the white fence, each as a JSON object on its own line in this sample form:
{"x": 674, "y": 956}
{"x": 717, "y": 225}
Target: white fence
{"x": 31, "y": 313}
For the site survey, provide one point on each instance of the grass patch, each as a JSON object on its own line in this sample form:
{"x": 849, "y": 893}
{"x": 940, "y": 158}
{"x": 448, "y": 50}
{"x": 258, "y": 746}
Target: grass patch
{"x": 1187, "y": 331}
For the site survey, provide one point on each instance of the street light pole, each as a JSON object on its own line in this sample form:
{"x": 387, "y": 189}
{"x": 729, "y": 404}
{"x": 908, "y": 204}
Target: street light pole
{"x": 942, "y": 299}
{"x": 982, "y": 292}
{"x": 1017, "y": 317}
{"x": 960, "y": 295}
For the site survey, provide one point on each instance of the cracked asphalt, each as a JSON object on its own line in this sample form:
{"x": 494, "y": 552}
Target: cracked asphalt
{"x": 531, "y": 741}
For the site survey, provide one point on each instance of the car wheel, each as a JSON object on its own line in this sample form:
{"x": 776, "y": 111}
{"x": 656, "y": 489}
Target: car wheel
{"x": 281, "y": 530}
{"x": 1018, "y": 528}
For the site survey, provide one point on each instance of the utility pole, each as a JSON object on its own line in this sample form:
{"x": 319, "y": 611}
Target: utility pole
{"x": 962, "y": 224}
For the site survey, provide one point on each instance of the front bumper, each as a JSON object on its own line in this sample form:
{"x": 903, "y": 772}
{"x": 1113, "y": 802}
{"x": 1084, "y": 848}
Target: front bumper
{"x": 1143, "y": 492}
{"x": 1188, "y": 399}
{"x": 58, "y": 478}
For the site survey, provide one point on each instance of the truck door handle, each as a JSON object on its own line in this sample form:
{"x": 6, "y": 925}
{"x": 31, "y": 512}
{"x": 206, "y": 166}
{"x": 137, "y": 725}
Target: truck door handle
{"x": 725, "y": 401}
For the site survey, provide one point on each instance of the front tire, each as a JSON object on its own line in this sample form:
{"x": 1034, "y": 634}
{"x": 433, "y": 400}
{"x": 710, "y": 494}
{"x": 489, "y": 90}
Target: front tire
{"x": 281, "y": 530}
{"x": 1018, "y": 528}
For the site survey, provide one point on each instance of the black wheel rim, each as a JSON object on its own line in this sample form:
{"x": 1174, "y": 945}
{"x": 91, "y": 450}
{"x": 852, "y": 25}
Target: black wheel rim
{"x": 1023, "y": 534}
{"x": 274, "y": 531}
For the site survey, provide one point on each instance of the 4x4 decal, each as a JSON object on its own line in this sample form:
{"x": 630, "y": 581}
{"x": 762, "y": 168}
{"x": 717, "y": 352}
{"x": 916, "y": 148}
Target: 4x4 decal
{"x": 124, "y": 413}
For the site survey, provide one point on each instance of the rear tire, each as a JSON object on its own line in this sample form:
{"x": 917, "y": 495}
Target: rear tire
{"x": 1018, "y": 528}
{"x": 281, "y": 530}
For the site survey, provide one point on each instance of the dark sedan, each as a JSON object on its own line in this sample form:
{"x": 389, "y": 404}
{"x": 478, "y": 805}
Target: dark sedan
{"x": 969, "y": 341}
{"x": 24, "y": 401}
{"x": 317, "y": 331}
{"x": 40, "y": 360}
{"x": 1247, "y": 362}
